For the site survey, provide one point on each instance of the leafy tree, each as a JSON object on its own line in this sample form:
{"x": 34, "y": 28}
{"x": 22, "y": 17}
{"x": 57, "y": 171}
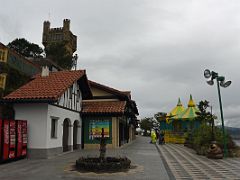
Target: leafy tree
{"x": 25, "y": 48}
{"x": 204, "y": 115}
{"x": 148, "y": 123}
{"x": 59, "y": 54}
{"x": 160, "y": 116}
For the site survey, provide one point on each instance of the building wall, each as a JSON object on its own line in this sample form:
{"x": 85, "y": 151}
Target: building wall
{"x": 99, "y": 92}
{"x": 115, "y": 132}
{"x": 61, "y": 115}
{"x": 132, "y": 135}
{"x": 36, "y": 115}
{"x": 39, "y": 117}
{"x": 3, "y": 54}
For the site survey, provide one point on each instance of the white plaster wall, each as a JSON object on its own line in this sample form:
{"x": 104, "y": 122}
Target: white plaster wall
{"x": 36, "y": 115}
{"x": 61, "y": 114}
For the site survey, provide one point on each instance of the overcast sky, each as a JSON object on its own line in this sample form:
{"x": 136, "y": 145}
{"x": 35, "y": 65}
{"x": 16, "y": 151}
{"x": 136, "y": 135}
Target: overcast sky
{"x": 157, "y": 49}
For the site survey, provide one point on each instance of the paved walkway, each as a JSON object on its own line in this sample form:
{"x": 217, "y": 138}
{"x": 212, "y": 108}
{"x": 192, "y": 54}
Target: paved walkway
{"x": 145, "y": 158}
{"x": 185, "y": 164}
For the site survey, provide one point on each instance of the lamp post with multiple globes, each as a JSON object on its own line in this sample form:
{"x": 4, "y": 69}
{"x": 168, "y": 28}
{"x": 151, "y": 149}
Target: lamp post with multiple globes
{"x": 220, "y": 80}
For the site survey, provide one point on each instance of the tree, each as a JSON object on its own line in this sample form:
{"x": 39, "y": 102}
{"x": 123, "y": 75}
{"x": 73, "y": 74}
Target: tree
{"x": 59, "y": 54}
{"x": 204, "y": 115}
{"x": 160, "y": 116}
{"x": 149, "y": 123}
{"x": 25, "y": 48}
{"x": 146, "y": 124}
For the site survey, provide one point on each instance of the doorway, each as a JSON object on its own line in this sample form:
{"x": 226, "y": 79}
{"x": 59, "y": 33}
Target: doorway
{"x": 66, "y": 126}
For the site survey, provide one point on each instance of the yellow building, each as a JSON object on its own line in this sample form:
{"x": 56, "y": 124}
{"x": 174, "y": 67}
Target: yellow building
{"x": 180, "y": 121}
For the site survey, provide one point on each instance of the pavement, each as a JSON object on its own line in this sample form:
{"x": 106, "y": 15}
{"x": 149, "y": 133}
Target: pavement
{"x": 147, "y": 164}
{"x": 184, "y": 163}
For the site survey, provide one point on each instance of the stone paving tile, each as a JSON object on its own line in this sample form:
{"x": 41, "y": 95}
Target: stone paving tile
{"x": 198, "y": 167}
{"x": 144, "y": 156}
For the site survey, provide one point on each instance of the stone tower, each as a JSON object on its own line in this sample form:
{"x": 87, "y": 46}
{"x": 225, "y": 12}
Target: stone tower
{"x": 62, "y": 34}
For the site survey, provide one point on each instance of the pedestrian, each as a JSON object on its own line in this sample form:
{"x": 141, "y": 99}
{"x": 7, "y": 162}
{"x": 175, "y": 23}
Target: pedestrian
{"x": 153, "y": 136}
{"x": 161, "y": 138}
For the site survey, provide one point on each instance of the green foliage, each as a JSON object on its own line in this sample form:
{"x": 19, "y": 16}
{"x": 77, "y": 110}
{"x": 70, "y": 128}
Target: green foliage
{"x": 202, "y": 138}
{"x": 204, "y": 115}
{"x": 59, "y": 54}
{"x": 25, "y": 48}
{"x": 160, "y": 116}
{"x": 146, "y": 124}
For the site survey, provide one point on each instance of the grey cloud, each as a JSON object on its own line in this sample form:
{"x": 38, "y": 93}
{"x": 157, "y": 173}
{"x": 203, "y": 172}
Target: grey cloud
{"x": 157, "y": 49}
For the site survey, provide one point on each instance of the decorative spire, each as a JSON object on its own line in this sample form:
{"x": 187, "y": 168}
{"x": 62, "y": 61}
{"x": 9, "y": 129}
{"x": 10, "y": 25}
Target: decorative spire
{"x": 191, "y": 103}
{"x": 179, "y": 102}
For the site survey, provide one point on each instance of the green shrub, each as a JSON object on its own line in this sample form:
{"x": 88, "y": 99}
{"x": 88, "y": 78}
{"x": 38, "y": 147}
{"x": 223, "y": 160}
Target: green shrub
{"x": 201, "y": 138}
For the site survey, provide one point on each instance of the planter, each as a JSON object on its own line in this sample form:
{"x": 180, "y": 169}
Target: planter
{"x": 109, "y": 164}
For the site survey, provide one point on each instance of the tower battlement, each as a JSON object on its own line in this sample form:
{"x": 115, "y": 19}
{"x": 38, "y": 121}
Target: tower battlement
{"x": 59, "y": 34}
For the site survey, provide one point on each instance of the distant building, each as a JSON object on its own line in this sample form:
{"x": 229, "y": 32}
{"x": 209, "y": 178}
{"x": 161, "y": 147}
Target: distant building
{"x": 179, "y": 121}
{"x": 15, "y": 70}
{"x": 62, "y": 34}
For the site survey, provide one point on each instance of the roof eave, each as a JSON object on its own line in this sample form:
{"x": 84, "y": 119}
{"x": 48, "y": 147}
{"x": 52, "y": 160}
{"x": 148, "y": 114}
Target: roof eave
{"x": 85, "y": 114}
{"x": 16, "y": 101}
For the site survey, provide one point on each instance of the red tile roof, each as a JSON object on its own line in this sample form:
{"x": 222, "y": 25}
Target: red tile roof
{"x": 46, "y": 88}
{"x": 103, "y": 107}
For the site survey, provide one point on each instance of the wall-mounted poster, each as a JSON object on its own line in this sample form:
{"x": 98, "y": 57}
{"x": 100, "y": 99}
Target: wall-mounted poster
{"x": 95, "y": 128}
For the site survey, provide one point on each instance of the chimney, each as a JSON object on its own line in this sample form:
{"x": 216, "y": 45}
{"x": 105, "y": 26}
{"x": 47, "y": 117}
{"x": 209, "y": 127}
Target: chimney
{"x": 45, "y": 71}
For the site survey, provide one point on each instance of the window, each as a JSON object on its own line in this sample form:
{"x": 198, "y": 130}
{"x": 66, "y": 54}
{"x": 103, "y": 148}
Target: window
{"x": 2, "y": 55}
{"x": 70, "y": 92}
{"x": 54, "y": 125}
{"x": 2, "y": 81}
{"x": 78, "y": 95}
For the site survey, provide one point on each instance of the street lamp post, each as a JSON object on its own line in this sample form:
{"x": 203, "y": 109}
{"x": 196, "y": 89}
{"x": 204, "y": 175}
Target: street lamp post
{"x": 212, "y": 124}
{"x": 220, "y": 80}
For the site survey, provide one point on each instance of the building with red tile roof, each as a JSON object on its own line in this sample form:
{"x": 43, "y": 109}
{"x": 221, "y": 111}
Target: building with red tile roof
{"x": 112, "y": 110}
{"x": 51, "y": 103}
{"x": 49, "y": 88}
